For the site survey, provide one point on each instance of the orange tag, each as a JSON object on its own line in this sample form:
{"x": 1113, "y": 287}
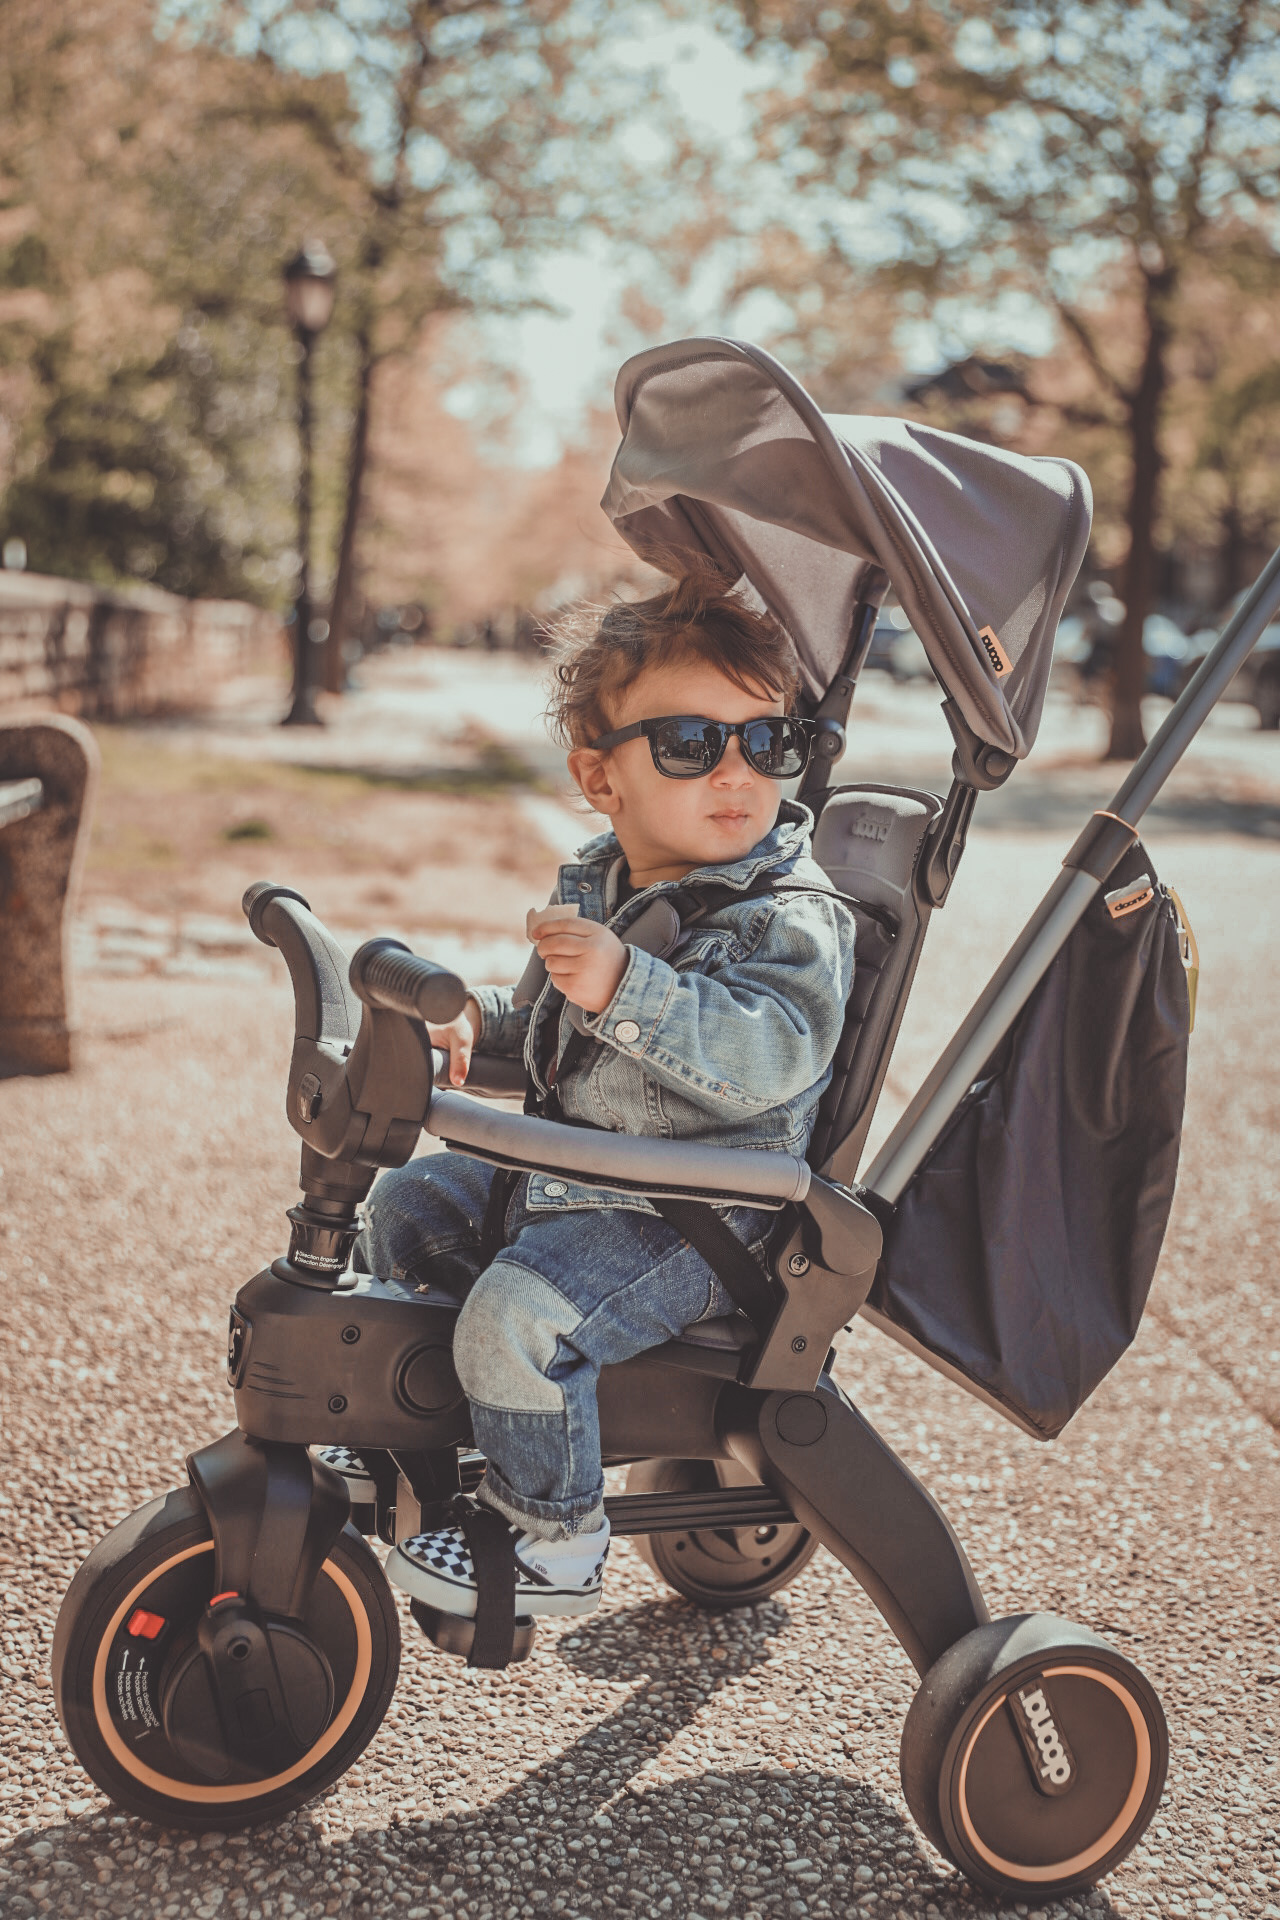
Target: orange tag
{"x": 1128, "y": 899}
{"x": 995, "y": 652}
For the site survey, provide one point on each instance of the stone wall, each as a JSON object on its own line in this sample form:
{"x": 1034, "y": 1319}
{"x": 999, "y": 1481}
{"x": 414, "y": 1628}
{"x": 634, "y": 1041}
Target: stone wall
{"x": 112, "y": 653}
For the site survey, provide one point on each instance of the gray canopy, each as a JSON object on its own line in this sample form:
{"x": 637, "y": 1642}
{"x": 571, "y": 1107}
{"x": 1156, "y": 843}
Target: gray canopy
{"x": 725, "y": 453}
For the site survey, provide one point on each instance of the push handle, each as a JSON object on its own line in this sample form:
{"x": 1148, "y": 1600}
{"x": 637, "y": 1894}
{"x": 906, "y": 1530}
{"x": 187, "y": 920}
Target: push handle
{"x": 384, "y": 973}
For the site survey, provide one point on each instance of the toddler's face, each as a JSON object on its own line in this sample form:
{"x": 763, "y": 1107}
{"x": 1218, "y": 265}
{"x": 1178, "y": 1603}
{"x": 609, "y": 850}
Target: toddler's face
{"x": 666, "y": 827}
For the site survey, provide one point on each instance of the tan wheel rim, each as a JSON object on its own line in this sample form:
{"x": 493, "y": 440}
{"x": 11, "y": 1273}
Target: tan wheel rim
{"x": 1080, "y": 1862}
{"x": 252, "y": 1789}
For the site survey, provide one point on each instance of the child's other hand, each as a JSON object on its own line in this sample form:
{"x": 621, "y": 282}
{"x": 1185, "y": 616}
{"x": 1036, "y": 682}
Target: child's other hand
{"x": 459, "y": 1037}
{"x": 585, "y": 961}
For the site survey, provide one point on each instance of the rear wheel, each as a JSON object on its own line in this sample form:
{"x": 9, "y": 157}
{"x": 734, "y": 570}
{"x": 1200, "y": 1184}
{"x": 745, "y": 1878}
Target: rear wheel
{"x": 126, "y": 1672}
{"x": 717, "y": 1567}
{"x": 1034, "y": 1756}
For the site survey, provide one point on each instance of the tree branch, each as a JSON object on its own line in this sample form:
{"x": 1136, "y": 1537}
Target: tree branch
{"x": 1240, "y": 26}
{"x": 1077, "y": 326}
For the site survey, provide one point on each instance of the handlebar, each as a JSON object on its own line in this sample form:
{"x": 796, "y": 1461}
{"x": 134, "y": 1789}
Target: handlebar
{"x": 360, "y": 1076}
{"x": 384, "y": 973}
{"x": 325, "y": 1010}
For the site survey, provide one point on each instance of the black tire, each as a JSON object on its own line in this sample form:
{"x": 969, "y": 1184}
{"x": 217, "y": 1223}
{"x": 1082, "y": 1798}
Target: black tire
{"x": 716, "y": 1567}
{"x": 109, "y": 1685}
{"x": 968, "y": 1772}
{"x": 1266, "y": 698}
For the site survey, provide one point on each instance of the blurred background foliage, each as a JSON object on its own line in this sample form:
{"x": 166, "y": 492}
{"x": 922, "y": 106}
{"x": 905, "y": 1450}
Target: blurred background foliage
{"x": 157, "y": 166}
{"x": 1111, "y": 167}
{"x": 1050, "y": 223}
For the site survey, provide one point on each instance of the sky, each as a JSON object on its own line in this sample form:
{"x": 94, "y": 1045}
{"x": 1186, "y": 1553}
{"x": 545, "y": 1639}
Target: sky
{"x": 566, "y": 360}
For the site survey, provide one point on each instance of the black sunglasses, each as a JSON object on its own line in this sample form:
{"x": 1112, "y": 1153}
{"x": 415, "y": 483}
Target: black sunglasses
{"x": 684, "y": 747}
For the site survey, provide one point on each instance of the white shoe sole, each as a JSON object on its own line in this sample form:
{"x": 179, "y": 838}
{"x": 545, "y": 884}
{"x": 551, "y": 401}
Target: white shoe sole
{"x": 458, "y": 1597}
{"x": 360, "y": 1482}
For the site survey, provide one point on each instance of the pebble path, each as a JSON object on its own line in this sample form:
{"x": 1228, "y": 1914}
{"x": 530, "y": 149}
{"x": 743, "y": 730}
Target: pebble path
{"x": 654, "y": 1760}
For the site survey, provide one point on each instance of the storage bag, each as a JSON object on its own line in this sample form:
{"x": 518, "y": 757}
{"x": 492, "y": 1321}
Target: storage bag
{"x": 1019, "y": 1259}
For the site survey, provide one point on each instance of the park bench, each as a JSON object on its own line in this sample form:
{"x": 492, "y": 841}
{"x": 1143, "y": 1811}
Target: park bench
{"x": 48, "y": 767}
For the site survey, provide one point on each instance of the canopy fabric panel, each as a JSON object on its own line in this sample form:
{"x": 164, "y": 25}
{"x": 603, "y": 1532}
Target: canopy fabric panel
{"x": 724, "y": 453}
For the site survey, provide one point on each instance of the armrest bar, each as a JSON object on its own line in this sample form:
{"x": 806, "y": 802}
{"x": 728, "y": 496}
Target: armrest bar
{"x": 621, "y": 1159}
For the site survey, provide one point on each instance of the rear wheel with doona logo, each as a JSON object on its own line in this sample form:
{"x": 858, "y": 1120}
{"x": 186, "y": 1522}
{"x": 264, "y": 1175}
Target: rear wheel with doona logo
{"x": 133, "y": 1699}
{"x": 1034, "y": 1756}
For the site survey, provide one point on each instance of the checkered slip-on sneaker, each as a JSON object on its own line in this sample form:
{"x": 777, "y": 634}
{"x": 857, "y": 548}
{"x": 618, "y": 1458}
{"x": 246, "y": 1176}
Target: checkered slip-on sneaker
{"x": 347, "y": 1462}
{"x": 553, "y": 1577}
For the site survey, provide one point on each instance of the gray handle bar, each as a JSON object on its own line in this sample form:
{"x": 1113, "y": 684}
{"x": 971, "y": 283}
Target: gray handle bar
{"x": 617, "y": 1159}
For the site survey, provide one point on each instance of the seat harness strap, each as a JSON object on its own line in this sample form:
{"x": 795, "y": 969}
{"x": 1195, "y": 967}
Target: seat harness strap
{"x": 691, "y": 905}
{"x": 745, "y": 1282}
{"x": 493, "y": 1228}
{"x": 695, "y": 903}
{"x": 491, "y": 1545}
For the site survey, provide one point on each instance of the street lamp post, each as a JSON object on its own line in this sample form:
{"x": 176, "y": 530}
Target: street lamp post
{"x": 309, "y": 284}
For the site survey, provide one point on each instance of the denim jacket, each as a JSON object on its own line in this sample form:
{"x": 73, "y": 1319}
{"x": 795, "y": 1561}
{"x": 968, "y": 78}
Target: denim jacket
{"x": 730, "y": 1040}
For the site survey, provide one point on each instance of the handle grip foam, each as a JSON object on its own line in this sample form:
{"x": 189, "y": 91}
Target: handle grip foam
{"x": 384, "y": 973}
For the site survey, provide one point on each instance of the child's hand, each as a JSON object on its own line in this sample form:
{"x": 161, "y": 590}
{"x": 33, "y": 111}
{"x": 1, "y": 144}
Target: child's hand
{"x": 459, "y": 1037}
{"x": 585, "y": 961}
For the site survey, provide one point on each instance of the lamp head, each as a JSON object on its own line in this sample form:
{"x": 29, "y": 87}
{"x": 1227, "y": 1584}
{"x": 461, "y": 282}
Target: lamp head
{"x": 309, "y": 285}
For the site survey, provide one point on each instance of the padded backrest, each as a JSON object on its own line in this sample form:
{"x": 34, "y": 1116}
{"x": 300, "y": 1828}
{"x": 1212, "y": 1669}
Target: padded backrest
{"x": 869, "y": 840}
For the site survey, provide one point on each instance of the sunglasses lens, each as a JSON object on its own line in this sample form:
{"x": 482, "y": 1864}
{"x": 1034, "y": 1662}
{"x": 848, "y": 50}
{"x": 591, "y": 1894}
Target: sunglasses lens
{"x": 778, "y": 748}
{"x": 686, "y": 749}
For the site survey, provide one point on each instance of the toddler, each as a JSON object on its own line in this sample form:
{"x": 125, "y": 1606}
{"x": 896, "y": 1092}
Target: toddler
{"x": 675, "y": 711}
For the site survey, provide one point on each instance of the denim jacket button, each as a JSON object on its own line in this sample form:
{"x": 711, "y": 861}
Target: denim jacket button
{"x": 584, "y": 886}
{"x": 627, "y": 1031}
{"x": 554, "y": 1189}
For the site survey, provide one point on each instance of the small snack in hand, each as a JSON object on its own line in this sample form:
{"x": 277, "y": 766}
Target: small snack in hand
{"x": 539, "y": 918}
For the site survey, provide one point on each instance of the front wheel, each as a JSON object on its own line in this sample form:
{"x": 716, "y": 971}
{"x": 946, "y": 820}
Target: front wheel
{"x": 123, "y": 1656}
{"x": 1034, "y": 1756}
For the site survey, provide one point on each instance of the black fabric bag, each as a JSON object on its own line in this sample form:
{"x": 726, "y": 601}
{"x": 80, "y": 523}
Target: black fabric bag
{"x": 1019, "y": 1259}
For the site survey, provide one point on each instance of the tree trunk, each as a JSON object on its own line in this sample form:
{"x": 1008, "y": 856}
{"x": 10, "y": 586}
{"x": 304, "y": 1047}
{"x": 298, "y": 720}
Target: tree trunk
{"x": 1231, "y": 552}
{"x": 1127, "y": 737}
{"x": 335, "y": 663}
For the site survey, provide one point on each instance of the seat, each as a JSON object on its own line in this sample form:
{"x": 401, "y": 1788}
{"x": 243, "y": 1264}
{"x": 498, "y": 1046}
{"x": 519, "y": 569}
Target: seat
{"x": 727, "y": 1333}
{"x": 869, "y": 840}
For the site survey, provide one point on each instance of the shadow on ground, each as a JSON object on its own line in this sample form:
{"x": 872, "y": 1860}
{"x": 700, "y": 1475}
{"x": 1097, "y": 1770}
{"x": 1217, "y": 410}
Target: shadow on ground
{"x": 1065, "y": 806}
{"x": 595, "y": 1828}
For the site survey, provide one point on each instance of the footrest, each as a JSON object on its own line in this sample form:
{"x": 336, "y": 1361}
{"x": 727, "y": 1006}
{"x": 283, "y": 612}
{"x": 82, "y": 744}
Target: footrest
{"x": 685, "y": 1512}
{"x": 454, "y": 1634}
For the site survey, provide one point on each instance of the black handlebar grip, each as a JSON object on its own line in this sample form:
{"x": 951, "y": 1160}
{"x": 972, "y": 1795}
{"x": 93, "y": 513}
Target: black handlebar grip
{"x": 258, "y": 898}
{"x": 384, "y": 973}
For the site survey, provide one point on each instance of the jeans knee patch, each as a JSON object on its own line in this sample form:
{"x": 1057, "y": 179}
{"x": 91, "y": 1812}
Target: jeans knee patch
{"x": 507, "y": 1339}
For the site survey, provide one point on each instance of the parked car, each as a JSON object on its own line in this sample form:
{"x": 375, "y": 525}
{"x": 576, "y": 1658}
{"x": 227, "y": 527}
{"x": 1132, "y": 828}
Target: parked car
{"x": 1257, "y": 684}
{"x": 883, "y": 641}
{"x": 1092, "y": 652}
{"x": 896, "y": 649}
{"x": 1165, "y": 645}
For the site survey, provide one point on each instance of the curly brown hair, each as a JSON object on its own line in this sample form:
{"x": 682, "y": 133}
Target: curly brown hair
{"x": 597, "y": 652}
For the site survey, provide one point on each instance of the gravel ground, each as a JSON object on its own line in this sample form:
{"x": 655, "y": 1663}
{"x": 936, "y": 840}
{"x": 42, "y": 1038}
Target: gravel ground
{"x": 654, "y": 1759}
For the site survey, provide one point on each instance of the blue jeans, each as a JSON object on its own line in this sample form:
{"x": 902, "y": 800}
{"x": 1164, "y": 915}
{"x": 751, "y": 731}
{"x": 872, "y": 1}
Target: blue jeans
{"x": 574, "y": 1289}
